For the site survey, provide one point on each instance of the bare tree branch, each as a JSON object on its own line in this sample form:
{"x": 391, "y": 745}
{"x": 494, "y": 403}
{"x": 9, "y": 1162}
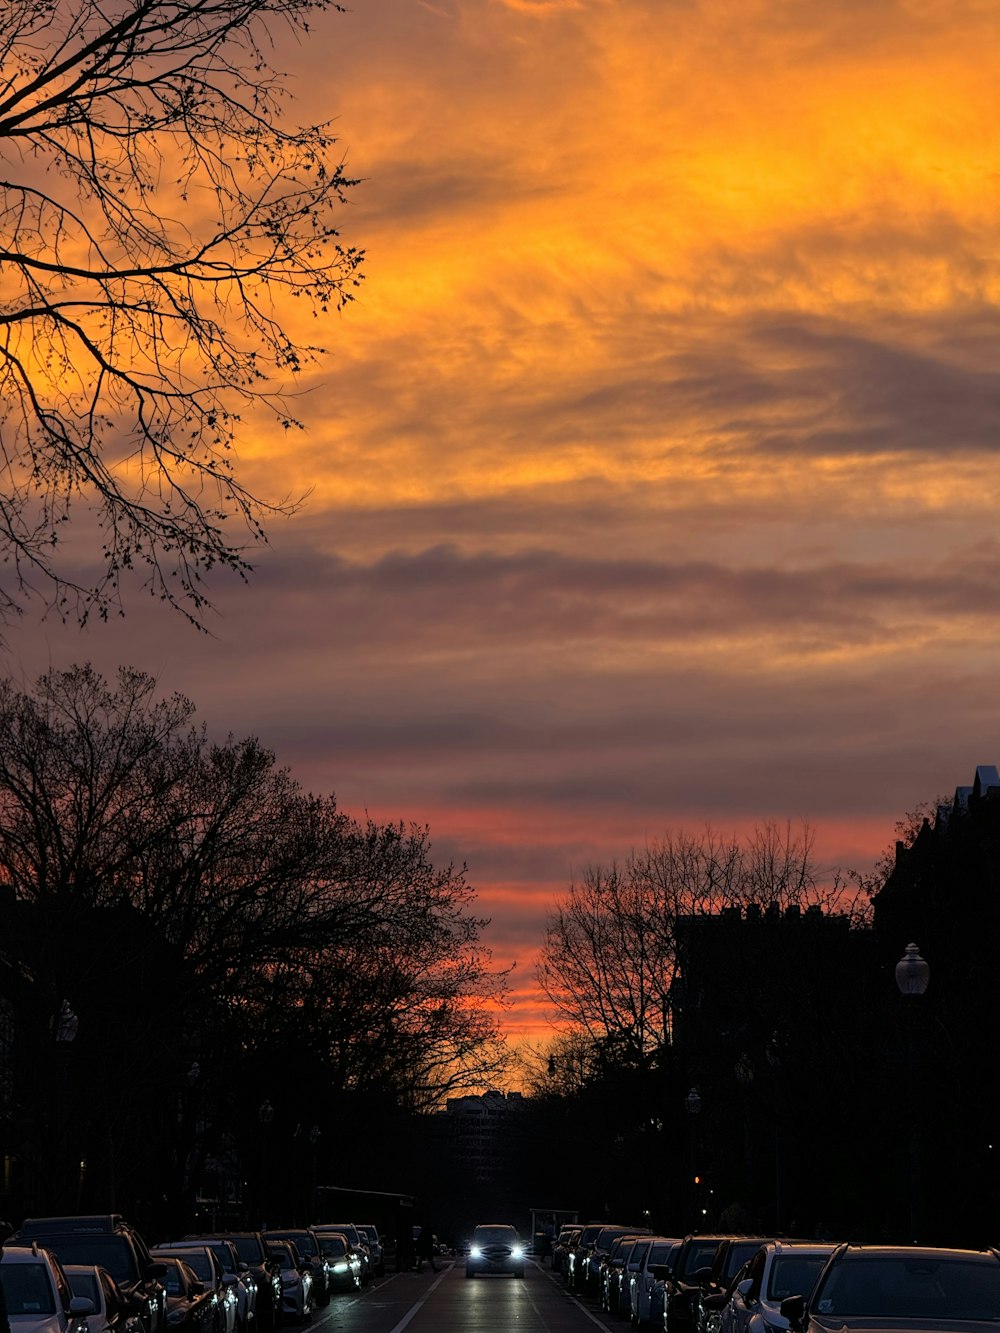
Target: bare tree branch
{"x": 156, "y": 210}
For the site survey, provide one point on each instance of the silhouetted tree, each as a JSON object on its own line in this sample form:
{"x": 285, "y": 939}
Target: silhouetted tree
{"x": 193, "y": 904}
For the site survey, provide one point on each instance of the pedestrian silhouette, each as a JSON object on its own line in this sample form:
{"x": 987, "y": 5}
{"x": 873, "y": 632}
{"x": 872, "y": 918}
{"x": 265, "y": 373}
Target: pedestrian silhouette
{"x": 425, "y": 1249}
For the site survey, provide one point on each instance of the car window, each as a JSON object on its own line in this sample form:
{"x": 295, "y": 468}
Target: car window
{"x": 85, "y": 1284}
{"x": 901, "y": 1287}
{"x": 793, "y": 1275}
{"x": 201, "y": 1262}
{"x": 700, "y": 1255}
{"x": 28, "y": 1289}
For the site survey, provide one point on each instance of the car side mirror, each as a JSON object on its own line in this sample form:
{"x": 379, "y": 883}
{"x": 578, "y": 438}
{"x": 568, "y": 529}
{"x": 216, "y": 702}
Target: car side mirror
{"x": 717, "y": 1301}
{"x": 156, "y": 1269}
{"x": 81, "y": 1305}
{"x": 794, "y": 1310}
{"x": 198, "y": 1287}
{"x": 744, "y": 1287}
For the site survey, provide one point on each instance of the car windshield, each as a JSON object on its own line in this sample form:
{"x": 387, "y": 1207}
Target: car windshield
{"x": 111, "y": 1252}
{"x": 494, "y": 1236}
{"x": 27, "y": 1289}
{"x": 660, "y": 1251}
{"x": 334, "y": 1247}
{"x": 793, "y": 1275}
{"x": 347, "y": 1229}
{"x": 247, "y": 1248}
{"x": 700, "y": 1255}
{"x": 917, "y": 1287}
{"x": 737, "y": 1255}
{"x": 201, "y": 1263}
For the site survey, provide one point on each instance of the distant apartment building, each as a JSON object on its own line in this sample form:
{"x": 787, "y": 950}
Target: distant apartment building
{"x": 479, "y": 1128}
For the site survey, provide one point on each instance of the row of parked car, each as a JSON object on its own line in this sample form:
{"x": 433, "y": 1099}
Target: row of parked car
{"x": 766, "y": 1284}
{"x": 95, "y": 1274}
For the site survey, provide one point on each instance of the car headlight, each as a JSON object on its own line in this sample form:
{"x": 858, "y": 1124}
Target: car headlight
{"x": 476, "y": 1252}
{"x": 342, "y": 1267}
{"x": 517, "y": 1252}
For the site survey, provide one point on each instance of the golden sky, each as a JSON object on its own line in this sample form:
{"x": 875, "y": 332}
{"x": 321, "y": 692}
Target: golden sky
{"x": 654, "y": 471}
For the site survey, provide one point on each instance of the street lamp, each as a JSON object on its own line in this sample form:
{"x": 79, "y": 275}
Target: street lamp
{"x": 912, "y": 972}
{"x": 265, "y": 1115}
{"x": 64, "y": 1026}
{"x": 692, "y": 1102}
{"x": 912, "y": 978}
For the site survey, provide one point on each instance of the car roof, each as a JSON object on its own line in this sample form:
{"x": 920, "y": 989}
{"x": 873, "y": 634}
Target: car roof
{"x": 14, "y": 1253}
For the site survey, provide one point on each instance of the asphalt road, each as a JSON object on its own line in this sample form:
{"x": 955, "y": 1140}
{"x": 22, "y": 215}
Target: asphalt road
{"x": 448, "y": 1302}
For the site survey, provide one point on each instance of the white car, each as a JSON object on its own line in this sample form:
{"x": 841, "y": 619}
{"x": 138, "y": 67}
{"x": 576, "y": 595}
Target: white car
{"x": 780, "y": 1268}
{"x": 37, "y": 1292}
{"x": 376, "y": 1249}
{"x": 643, "y": 1282}
{"x": 296, "y": 1280}
{"x": 496, "y": 1248}
{"x": 112, "y": 1311}
{"x": 208, "y": 1270}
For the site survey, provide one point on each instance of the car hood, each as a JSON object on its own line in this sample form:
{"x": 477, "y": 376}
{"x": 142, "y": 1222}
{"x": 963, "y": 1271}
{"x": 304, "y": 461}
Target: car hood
{"x": 907, "y": 1324}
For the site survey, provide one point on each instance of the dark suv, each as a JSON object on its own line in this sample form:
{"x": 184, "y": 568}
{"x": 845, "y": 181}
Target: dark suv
{"x": 107, "y": 1240}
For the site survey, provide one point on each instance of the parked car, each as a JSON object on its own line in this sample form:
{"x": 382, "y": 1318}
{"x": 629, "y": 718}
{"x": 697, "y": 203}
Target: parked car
{"x": 579, "y": 1252}
{"x": 495, "y": 1248}
{"x": 307, "y": 1243}
{"x": 900, "y": 1288}
{"x": 376, "y": 1249}
{"x": 588, "y": 1280}
{"x": 611, "y": 1269}
{"x": 690, "y": 1274}
{"x": 779, "y": 1269}
{"x": 564, "y": 1242}
{"x": 108, "y": 1240}
{"x": 113, "y": 1312}
{"x": 233, "y": 1267}
{"x": 191, "y": 1305}
{"x": 343, "y": 1261}
{"x": 734, "y": 1253}
{"x": 652, "y": 1271}
{"x": 252, "y": 1250}
{"x": 37, "y": 1292}
{"x": 620, "y": 1300}
{"x": 355, "y": 1239}
{"x": 208, "y": 1270}
{"x": 296, "y": 1280}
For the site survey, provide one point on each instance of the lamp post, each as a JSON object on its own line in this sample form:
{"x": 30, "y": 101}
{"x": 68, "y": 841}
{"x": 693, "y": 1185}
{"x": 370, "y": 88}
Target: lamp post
{"x": 912, "y": 978}
{"x": 64, "y": 1027}
{"x": 265, "y": 1115}
{"x": 692, "y": 1103}
{"x": 315, "y": 1134}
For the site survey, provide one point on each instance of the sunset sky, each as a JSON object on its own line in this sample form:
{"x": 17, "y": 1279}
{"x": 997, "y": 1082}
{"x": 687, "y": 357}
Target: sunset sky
{"x": 654, "y": 471}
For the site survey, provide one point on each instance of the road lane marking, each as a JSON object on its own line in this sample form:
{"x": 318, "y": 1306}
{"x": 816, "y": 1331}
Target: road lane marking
{"x": 423, "y": 1300}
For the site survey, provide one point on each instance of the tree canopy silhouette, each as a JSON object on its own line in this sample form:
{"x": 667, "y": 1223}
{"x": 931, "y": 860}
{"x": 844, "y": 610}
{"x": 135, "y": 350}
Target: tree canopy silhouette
{"x": 157, "y": 207}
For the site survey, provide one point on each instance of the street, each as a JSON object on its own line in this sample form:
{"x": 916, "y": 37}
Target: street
{"x": 448, "y": 1302}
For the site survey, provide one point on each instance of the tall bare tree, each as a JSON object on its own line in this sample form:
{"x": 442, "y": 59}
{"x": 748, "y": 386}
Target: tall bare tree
{"x": 614, "y": 946}
{"x": 157, "y": 207}
{"x": 189, "y": 900}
